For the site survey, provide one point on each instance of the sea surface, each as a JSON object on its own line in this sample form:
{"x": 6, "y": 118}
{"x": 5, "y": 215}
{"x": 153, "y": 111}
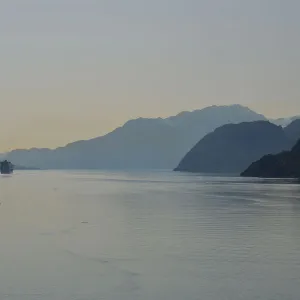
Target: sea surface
{"x": 148, "y": 235}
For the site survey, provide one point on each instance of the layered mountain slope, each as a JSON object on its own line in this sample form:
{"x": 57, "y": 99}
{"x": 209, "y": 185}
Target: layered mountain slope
{"x": 283, "y": 165}
{"x": 231, "y": 148}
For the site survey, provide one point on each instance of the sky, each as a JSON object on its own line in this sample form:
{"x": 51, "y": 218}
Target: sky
{"x": 76, "y": 69}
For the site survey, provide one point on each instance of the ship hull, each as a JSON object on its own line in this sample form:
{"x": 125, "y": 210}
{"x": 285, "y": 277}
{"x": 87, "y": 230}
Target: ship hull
{"x": 6, "y": 167}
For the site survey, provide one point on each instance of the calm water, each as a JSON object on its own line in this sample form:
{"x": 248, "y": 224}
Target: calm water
{"x": 149, "y": 236}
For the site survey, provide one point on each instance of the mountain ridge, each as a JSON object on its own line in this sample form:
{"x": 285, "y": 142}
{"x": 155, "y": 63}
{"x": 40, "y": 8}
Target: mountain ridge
{"x": 139, "y": 143}
{"x": 232, "y": 147}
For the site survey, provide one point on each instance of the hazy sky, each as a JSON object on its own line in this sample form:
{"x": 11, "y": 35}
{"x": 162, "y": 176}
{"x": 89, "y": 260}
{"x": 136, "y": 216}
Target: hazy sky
{"x": 75, "y": 69}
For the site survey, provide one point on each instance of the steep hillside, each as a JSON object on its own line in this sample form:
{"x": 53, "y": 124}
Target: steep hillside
{"x": 293, "y": 130}
{"x": 231, "y": 148}
{"x": 283, "y": 165}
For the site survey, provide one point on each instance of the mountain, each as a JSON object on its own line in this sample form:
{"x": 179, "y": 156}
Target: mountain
{"x": 293, "y": 130}
{"x": 284, "y": 121}
{"x": 141, "y": 143}
{"x": 231, "y": 148}
{"x": 283, "y": 165}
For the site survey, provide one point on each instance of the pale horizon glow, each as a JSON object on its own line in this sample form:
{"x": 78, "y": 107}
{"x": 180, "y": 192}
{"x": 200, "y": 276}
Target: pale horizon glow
{"x": 74, "y": 69}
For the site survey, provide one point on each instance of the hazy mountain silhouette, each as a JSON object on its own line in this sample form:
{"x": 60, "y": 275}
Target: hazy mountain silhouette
{"x": 141, "y": 143}
{"x": 283, "y": 165}
{"x": 293, "y": 130}
{"x": 284, "y": 121}
{"x": 231, "y": 148}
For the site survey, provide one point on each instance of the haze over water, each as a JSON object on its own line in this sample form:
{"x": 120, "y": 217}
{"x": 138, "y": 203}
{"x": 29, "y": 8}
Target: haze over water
{"x": 147, "y": 235}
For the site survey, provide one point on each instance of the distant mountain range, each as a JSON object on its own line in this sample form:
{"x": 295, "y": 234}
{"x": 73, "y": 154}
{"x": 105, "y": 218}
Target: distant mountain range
{"x": 284, "y": 121}
{"x": 138, "y": 144}
{"x": 22, "y": 168}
